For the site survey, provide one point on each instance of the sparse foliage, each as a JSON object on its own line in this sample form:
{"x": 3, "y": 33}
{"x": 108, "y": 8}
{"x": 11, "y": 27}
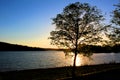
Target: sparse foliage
{"x": 113, "y": 35}
{"x": 115, "y": 31}
{"x": 116, "y": 15}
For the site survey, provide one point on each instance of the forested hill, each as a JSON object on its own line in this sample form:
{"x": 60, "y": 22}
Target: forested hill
{"x": 87, "y": 48}
{"x": 14, "y": 47}
{"x": 101, "y": 49}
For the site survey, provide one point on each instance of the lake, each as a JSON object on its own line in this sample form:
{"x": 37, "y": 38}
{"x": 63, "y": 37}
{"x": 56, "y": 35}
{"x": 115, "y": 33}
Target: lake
{"x": 21, "y": 60}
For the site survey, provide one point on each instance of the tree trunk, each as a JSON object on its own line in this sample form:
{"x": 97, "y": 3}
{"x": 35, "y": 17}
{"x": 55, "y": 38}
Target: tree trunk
{"x": 74, "y": 67}
{"x": 76, "y": 50}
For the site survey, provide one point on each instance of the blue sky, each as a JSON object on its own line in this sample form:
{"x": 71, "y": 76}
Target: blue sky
{"x": 29, "y": 22}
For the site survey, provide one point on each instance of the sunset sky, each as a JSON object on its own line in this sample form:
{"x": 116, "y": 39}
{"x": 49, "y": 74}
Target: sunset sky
{"x": 29, "y": 22}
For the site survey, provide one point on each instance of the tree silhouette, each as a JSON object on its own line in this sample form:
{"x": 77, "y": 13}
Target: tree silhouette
{"x": 79, "y": 23}
{"x": 116, "y": 15}
{"x": 114, "y": 35}
{"x": 115, "y": 31}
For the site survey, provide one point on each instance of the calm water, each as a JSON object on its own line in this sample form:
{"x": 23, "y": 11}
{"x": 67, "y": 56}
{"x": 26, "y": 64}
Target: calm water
{"x": 20, "y": 60}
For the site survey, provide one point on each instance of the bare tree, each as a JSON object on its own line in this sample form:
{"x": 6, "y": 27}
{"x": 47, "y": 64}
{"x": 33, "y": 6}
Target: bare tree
{"x": 79, "y": 23}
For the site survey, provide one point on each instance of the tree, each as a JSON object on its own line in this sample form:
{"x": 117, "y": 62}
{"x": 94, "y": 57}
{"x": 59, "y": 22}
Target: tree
{"x": 114, "y": 35}
{"x": 116, "y": 15}
{"x": 79, "y": 23}
{"x": 114, "y": 31}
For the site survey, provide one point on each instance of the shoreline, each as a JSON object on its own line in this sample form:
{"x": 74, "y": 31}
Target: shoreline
{"x": 57, "y": 73}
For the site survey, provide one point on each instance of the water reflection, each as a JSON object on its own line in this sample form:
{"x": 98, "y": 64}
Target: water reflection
{"x": 80, "y": 59}
{"x": 96, "y": 58}
{"x": 18, "y": 60}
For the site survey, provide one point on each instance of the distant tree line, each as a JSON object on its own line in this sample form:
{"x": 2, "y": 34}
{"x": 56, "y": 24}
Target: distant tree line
{"x": 100, "y": 49}
{"x": 14, "y": 47}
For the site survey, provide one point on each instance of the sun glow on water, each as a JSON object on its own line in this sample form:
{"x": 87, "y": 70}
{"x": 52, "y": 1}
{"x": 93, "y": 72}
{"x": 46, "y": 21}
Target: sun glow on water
{"x": 78, "y": 61}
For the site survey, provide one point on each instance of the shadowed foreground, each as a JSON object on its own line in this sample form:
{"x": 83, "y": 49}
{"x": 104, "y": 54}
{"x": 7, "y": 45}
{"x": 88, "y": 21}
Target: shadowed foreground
{"x": 113, "y": 74}
{"x": 93, "y": 72}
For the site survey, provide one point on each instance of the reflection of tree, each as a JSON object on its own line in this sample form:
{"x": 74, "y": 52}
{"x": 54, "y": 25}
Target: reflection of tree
{"x": 77, "y": 24}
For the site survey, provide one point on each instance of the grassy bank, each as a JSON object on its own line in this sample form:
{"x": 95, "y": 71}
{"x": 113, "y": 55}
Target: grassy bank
{"x": 56, "y": 73}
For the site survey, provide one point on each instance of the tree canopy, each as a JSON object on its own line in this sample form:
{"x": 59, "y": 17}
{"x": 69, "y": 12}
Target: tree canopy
{"x": 116, "y": 15}
{"x": 79, "y": 23}
{"x": 115, "y": 31}
{"x": 114, "y": 35}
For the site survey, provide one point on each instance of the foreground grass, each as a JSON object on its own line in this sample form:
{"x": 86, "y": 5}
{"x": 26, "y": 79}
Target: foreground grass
{"x": 56, "y": 73}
